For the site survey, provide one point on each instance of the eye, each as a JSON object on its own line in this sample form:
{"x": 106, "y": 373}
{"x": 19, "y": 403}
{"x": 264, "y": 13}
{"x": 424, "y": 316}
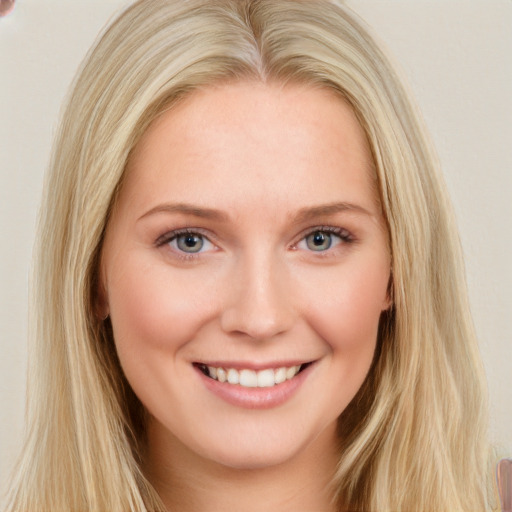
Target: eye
{"x": 323, "y": 239}
{"x": 188, "y": 242}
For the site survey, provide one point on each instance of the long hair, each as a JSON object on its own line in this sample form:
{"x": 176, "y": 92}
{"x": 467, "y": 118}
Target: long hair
{"x": 414, "y": 437}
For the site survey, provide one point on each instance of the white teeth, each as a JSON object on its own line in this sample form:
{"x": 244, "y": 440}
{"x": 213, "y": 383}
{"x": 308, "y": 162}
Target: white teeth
{"x": 248, "y": 378}
{"x": 266, "y": 378}
{"x": 280, "y": 375}
{"x": 233, "y": 376}
{"x": 291, "y": 372}
{"x": 213, "y": 371}
{"x": 221, "y": 375}
{"x": 251, "y": 378}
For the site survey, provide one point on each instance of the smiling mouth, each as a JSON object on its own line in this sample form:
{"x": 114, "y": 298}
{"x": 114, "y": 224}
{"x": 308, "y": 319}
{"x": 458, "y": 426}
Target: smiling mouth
{"x": 248, "y": 378}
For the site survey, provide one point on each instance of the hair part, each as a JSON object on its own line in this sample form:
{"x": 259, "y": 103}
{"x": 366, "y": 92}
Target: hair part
{"x": 404, "y": 439}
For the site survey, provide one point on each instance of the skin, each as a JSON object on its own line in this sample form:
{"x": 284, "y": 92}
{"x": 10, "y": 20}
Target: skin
{"x": 258, "y": 168}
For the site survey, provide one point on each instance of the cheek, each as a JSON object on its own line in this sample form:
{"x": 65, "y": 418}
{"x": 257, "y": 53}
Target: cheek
{"x": 346, "y": 316}
{"x": 153, "y": 309}
{"x": 345, "y": 311}
{"x": 155, "y": 313}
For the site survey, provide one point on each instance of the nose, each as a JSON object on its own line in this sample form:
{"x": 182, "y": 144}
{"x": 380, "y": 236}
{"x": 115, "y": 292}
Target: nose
{"x": 259, "y": 302}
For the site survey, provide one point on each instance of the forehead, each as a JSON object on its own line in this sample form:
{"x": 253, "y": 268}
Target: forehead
{"x": 284, "y": 139}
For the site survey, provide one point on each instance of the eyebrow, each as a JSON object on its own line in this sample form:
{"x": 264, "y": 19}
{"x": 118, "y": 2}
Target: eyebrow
{"x": 187, "y": 209}
{"x": 313, "y": 212}
{"x": 303, "y": 215}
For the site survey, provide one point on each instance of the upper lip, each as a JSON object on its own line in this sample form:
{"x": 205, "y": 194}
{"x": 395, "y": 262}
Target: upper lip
{"x": 254, "y": 365}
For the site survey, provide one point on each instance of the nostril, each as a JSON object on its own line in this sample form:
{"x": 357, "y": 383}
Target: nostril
{"x": 255, "y": 322}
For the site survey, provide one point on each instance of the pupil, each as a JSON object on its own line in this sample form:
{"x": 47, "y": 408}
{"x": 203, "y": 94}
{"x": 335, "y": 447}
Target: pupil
{"x": 319, "y": 239}
{"x": 191, "y": 241}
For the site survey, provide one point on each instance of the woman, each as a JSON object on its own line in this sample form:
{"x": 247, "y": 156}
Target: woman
{"x": 240, "y": 191}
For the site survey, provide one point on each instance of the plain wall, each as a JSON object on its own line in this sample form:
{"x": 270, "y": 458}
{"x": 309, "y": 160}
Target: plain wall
{"x": 456, "y": 56}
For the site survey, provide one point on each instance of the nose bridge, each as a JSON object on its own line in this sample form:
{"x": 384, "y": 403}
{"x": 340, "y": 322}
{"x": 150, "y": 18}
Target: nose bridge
{"x": 259, "y": 303}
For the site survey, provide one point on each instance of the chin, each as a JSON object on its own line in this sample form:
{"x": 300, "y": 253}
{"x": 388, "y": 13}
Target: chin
{"x": 251, "y": 460}
{"x": 269, "y": 448}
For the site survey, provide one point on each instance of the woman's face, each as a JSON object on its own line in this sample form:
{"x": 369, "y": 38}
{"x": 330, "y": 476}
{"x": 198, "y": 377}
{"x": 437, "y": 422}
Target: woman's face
{"x": 247, "y": 245}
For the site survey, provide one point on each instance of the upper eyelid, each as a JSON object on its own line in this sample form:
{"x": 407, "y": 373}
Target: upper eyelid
{"x": 165, "y": 240}
{"x": 336, "y": 230}
{"x": 173, "y": 233}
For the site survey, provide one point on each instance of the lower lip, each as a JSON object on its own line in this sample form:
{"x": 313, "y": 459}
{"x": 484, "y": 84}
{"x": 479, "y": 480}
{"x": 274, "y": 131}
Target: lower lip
{"x": 256, "y": 398}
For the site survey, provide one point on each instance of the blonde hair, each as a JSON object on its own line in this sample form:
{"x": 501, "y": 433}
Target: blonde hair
{"x": 414, "y": 437}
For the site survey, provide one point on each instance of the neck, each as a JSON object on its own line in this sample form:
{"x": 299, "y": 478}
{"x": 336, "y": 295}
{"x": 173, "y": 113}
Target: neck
{"x": 187, "y": 482}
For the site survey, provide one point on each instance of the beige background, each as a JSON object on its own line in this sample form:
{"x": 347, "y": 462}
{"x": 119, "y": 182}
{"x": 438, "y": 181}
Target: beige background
{"x": 456, "y": 56}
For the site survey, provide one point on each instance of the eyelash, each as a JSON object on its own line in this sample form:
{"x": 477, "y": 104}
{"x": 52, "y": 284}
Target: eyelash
{"x": 345, "y": 236}
{"x": 343, "y": 233}
{"x": 172, "y": 235}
